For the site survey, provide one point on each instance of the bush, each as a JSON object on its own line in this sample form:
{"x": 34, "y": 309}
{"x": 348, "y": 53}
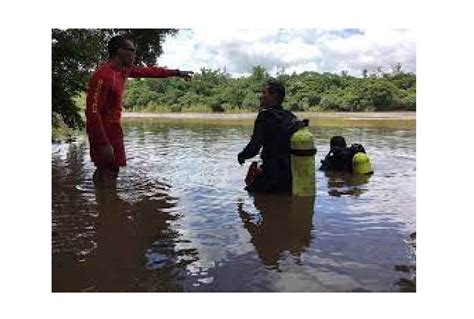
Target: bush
{"x": 381, "y": 95}
{"x": 175, "y": 108}
{"x": 406, "y": 102}
{"x": 331, "y": 102}
{"x": 213, "y": 91}
{"x": 197, "y": 109}
{"x": 313, "y": 99}
{"x": 251, "y": 101}
{"x": 296, "y": 107}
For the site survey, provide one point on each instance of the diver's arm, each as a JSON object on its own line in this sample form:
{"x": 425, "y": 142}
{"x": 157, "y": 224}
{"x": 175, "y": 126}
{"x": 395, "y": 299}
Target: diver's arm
{"x": 256, "y": 142}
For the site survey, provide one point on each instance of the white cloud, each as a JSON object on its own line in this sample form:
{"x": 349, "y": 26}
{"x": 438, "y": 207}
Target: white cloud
{"x": 297, "y": 50}
{"x": 370, "y": 50}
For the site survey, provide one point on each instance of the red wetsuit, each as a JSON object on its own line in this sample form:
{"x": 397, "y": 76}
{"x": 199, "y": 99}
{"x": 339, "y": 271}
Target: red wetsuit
{"x": 104, "y": 108}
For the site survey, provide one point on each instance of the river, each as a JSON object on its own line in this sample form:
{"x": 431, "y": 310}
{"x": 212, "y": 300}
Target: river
{"x": 180, "y": 219}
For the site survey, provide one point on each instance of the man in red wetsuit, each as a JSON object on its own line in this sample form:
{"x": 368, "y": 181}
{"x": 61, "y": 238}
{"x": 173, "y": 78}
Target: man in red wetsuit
{"x": 104, "y": 106}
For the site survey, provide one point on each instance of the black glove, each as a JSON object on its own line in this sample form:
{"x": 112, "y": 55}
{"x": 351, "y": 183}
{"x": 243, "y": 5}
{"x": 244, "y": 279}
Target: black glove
{"x": 240, "y": 159}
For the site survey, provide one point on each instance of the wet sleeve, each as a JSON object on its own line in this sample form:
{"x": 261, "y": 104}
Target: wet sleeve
{"x": 256, "y": 142}
{"x": 151, "y": 72}
{"x": 95, "y": 102}
{"x": 325, "y": 162}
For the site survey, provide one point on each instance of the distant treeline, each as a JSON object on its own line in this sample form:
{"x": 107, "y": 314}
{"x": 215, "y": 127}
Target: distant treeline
{"x": 76, "y": 52}
{"x": 216, "y": 91}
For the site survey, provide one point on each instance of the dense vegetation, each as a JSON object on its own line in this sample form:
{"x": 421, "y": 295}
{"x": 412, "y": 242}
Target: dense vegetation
{"x": 77, "y": 52}
{"x": 216, "y": 91}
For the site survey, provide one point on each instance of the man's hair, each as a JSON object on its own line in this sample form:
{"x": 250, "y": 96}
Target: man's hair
{"x": 276, "y": 88}
{"x": 114, "y": 44}
{"x": 338, "y": 141}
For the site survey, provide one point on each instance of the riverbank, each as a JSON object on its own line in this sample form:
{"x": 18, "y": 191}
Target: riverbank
{"x": 346, "y": 119}
{"x": 401, "y": 120}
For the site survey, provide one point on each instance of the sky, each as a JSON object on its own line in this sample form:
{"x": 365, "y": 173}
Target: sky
{"x": 295, "y": 50}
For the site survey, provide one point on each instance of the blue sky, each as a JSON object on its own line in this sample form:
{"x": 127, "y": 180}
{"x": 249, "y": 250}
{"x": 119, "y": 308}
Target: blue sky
{"x": 296, "y": 50}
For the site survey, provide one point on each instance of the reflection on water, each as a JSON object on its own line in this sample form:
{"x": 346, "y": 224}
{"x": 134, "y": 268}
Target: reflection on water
{"x": 340, "y": 183}
{"x": 283, "y": 224}
{"x": 180, "y": 220}
{"x": 104, "y": 243}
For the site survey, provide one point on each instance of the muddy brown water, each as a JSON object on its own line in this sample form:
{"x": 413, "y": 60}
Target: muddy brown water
{"x": 181, "y": 221}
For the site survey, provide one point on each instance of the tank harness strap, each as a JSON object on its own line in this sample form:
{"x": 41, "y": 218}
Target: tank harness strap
{"x": 310, "y": 152}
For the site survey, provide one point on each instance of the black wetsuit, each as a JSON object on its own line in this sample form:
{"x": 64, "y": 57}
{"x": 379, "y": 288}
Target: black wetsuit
{"x": 270, "y": 135}
{"x": 339, "y": 159}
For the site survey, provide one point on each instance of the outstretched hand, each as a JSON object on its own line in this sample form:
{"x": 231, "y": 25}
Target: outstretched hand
{"x": 187, "y": 75}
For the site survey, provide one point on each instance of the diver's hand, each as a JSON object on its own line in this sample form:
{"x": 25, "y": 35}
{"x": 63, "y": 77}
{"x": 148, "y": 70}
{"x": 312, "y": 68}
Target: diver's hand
{"x": 240, "y": 159}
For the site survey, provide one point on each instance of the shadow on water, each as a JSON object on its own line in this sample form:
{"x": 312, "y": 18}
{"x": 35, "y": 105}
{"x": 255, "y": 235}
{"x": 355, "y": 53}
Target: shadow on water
{"x": 104, "y": 243}
{"x": 284, "y": 224}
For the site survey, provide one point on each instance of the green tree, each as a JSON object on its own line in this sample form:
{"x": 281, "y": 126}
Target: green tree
{"x": 258, "y": 78}
{"x": 76, "y": 52}
{"x": 381, "y": 93}
{"x": 216, "y": 91}
{"x": 251, "y": 101}
{"x": 396, "y": 68}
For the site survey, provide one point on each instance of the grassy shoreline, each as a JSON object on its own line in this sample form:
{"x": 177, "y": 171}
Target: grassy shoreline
{"x": 406, "y": 120}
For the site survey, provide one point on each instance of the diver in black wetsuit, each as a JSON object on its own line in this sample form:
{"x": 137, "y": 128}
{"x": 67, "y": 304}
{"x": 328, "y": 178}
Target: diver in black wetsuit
{"x": 339, "y": 158}
{"x": 271, "y": 134}
{"x": 336, "y": 159}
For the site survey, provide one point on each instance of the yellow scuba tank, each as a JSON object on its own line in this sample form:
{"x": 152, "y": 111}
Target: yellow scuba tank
{"x": 302, "y": 162}
{"x": 361, "y": 164}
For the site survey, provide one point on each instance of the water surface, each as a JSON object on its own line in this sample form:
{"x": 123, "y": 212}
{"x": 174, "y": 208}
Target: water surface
{"x": 181, "y": 221}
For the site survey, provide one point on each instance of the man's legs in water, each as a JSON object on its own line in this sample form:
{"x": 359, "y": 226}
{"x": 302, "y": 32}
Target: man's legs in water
{"x": 106, "y": 177}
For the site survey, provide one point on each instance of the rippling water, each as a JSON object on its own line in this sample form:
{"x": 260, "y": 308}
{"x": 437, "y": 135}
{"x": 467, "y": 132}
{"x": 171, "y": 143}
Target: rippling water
{"x": 181, "y": 221}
